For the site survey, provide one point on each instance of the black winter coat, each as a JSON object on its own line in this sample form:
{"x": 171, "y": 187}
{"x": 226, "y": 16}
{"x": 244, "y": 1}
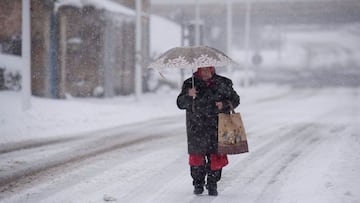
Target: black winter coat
{"x": 201, "y": 124}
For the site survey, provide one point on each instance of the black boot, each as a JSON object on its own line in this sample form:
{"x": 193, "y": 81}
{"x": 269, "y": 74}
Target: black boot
{"x": 198, "y": 174}
{"x": 198, "y": 189}
{"x": 212, "y": 189}
{"x": 212, "y": 179}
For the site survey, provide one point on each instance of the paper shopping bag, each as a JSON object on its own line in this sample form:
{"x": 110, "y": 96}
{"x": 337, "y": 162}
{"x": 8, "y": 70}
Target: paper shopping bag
{"x": 231, "y": 134}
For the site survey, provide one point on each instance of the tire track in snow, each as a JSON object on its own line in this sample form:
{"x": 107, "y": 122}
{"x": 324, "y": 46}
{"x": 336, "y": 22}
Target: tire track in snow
{"x": 164, "y": 193}
{"x": 66, "y": 158}
{"x": 28, "y": 144}
{"x": 40, "y": 142}
{"x": 264, "y": 166}
{"x": 155, "y": 187}
{"x": 97, "y": 144}
{"x": 115, "y": 174}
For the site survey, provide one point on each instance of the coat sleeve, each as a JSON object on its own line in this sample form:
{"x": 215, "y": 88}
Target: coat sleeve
{"x": 234, "y": 97}
{"x": 231, "y": 95}
{"x": 184, "y": 101}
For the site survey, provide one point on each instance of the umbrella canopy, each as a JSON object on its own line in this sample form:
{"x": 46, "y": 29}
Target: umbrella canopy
{"x": 191, "y": 57}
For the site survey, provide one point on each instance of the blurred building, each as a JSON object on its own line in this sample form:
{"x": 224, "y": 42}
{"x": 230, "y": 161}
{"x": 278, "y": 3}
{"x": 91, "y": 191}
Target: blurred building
{"x": 10, "y": 40}
{"x": 276, "y": 14}
{"x": 10, "y": 18}
{"x": 80, "y": 48}
{"x": 319, "y": 37}
{"x": 96, "y": 49}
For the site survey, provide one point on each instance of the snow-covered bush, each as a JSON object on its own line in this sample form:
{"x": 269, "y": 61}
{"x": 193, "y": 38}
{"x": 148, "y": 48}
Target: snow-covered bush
{"x": 11, "y": 79}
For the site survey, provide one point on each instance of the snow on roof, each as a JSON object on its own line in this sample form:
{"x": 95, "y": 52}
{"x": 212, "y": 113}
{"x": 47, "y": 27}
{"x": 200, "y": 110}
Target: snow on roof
{"x": 103, "y": 4}
{"x": 164, "y": 34}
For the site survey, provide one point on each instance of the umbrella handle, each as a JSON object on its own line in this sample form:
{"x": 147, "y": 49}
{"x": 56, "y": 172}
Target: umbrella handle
{"x": 193, "y": 85}
{"x": 192, "y": 78}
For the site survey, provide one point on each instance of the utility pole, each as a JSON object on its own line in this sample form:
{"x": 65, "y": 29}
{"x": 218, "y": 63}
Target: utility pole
{"x": 25, "y": 55}
{"x": 229, "y": 31}
{"x": 247, "y": 41}
{"x": 53, "y": 53}
{"x": 197, "y": 23}
{"x": 138, "y": 54}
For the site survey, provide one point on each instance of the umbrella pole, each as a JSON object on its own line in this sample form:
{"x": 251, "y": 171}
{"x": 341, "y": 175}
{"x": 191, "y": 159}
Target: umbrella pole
{"x": 193, "y": 86}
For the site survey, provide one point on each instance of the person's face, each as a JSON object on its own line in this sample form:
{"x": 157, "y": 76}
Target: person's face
{"x": 206, "y": 73}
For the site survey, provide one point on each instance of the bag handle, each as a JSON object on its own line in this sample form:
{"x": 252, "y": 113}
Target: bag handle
{"x": 231, "y": 107}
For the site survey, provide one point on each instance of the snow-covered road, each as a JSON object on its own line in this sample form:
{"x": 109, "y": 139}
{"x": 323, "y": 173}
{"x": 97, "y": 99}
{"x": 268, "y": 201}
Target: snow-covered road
{"x": 304, "y": 147}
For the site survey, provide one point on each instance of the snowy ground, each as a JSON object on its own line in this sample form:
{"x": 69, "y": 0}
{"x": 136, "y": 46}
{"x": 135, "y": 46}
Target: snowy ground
{"x": 304, "y": 147}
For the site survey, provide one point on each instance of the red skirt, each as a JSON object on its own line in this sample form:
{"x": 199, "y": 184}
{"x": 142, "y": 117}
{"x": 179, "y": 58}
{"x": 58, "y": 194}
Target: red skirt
{"x": 218, "y": 161}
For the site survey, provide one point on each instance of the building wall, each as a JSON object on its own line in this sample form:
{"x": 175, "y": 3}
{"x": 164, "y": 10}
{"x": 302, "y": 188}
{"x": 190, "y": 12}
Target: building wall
{"x": 10, "y": 18}
{"x": 10, "y": 24}
{"x": 10, "y": 27}
{"x": 40, "y": 48}
{"x": 97, "y": 49}
{"x": 145, "y": 44}
{"x": 83, "y": 44}
{"x": 125, "y": 66}
{"x": 79, "y": 51}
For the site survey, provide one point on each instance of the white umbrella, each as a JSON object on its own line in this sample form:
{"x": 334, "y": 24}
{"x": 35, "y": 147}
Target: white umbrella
{"x": 191, "y": 57}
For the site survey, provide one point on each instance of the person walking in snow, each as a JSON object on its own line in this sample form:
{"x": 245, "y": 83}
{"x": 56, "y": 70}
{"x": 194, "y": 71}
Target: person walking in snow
{"x": 209, "y": 95}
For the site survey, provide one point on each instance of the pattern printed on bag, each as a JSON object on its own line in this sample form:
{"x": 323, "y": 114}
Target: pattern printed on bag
{"x": 231, "y": 134}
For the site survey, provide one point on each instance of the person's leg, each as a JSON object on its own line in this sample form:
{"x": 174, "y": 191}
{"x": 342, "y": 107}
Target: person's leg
{"x": 213, "y": 176}
{"x": 198, "y": 174}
